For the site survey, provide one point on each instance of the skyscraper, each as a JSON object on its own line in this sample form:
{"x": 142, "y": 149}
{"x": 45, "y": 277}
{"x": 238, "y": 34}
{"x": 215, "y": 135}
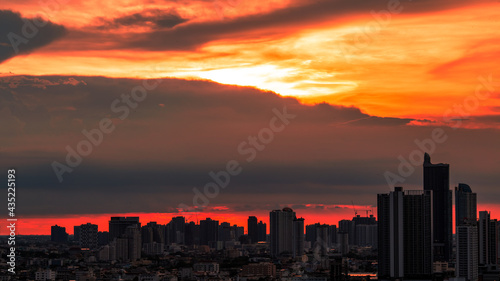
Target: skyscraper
{"x": 262, "y": 231}
{"x": 298, "y": 237}
{"x": 76, "y": 233}
{"x": 488, "y": 239}
{"x": 58, "y": 234}
{"x": 281, "y": 228}
{"x": 437, "y": 179}
{"x": 466, "y": 233}
{"x": 253, "y": 231}
{"x": 465, "y": 204}
{"x": 118, "y": 225}
{"x": 349, "y": 227}
{"x": 405, "y": 234}
{"x": 88, "y": 236}
{"x": 467, "y": 252}
{"x": 226, "y": 232}
{"x": 133, "y": 236}
{"x": 209, "y": 232}
{"x": 176, "y": 231}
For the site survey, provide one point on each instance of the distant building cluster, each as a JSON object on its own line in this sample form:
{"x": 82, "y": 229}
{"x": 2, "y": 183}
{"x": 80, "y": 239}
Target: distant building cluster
{"x": 412, "y": 240}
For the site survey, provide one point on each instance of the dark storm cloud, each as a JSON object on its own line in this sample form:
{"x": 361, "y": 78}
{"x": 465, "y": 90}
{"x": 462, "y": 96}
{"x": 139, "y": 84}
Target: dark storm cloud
{"x": 20, "y": 35}
{"x": 169, "y": 34}
{"x": 191, "y": 36}
{"x": 154, "y": 18}
{"x": 185, "y": 129}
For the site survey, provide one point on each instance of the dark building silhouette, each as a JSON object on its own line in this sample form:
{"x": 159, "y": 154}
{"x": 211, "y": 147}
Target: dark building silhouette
{"x": 88, "y": 236}
{"x": 152, "y": 232}
{"x": 405, "y": 234}
{"x": 102, "y": 238}
{"x": 176, "y": 230}
{"x": 339, "y": 269}
{"x": 239, "y": 231}
{"x": 226, "y": 232}
{"x": 192, "y": 234}
{"x": 298, "y": 237}
{"x": 76, "y": 233}
{"x": 488, "y": 239}
{"x": 349, "y": 227}
{"x": 118, "y": 226}
{"x": 58, "y": 234}
{"x": 253, "y": 231}
{"x": 209, "y": 232}
{"x": 437, "y": 179}
{"x": 333, "y": 234}
{"x": 466, "y": 233}
{"x": 281, "y": 230}
{"x": 465, "y": 204}
{"x": 319, "y": 234}
{"x": 261, "y": 231}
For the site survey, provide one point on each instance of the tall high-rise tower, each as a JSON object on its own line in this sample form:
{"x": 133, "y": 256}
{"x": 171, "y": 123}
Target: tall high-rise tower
{"x": 118, "y": 226}
{"x": 253, "y": 231}
{"x": 281, "y": 228}
{"x": 405, "y": 234}
{"x": 298, "y": 237}
{"x": 88, "y": 236}
{"x": 437, "y": 179}
{"x": 488, "y": 239}
{"x": 466, "y": 233}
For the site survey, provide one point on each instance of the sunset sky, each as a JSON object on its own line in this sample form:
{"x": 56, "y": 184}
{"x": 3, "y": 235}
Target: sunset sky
{"x": 365, "y": 80}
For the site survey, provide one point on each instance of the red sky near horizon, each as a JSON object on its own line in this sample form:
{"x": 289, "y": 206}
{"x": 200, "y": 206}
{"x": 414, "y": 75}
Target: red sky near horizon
{"x": 41, "y": 225}
{"x": 400, "y": 68}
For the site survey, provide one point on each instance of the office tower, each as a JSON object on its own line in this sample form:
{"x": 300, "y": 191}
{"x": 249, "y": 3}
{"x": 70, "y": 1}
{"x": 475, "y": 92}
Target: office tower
{"x": 466, "y": 233}
{"x": 58, "y": 234}
{"x": 192, "y": 234}
{"x": 119, "y": 248}
{"x": 209, "y": 230}
{"x": 146, "y": 235}
{"x": 76, "y": 233}
{"x": 349, "y": 227}
{"x": 437, "y": 179}
{"x": 238, "y": 231}
{"x": 339, "y": 268}
{"x": 467, "y": 252}
{"x": 319, "y": 234}
{"x": 322, "y": 241}
{"x": 133, "y": 235}
{"x": 365, "y": 226}
{"x": 152, "y": 232}
{"x": 88, "y": 236}
{"x": 118, "y": 225}
{"x": 261, "y": 231}
{"x": 366, "y": 235}
{"x": 488, "y": 239}
{"x": 226, "y": 232}
{"x": 343, "y": 242}
{"x": 333, "y": 234}
{"x": 298, "y": 237}
{"x": 253, "y": 231}
{"x": 465, "y": 204}
{"x": 176, "y": 230}
{"x": 311, "y": 233}
{"x": 498, "y": 242}
{"x": 405, "y": 234}
{"x": 102, "y": 238}
{"x": 281, "y": 229}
